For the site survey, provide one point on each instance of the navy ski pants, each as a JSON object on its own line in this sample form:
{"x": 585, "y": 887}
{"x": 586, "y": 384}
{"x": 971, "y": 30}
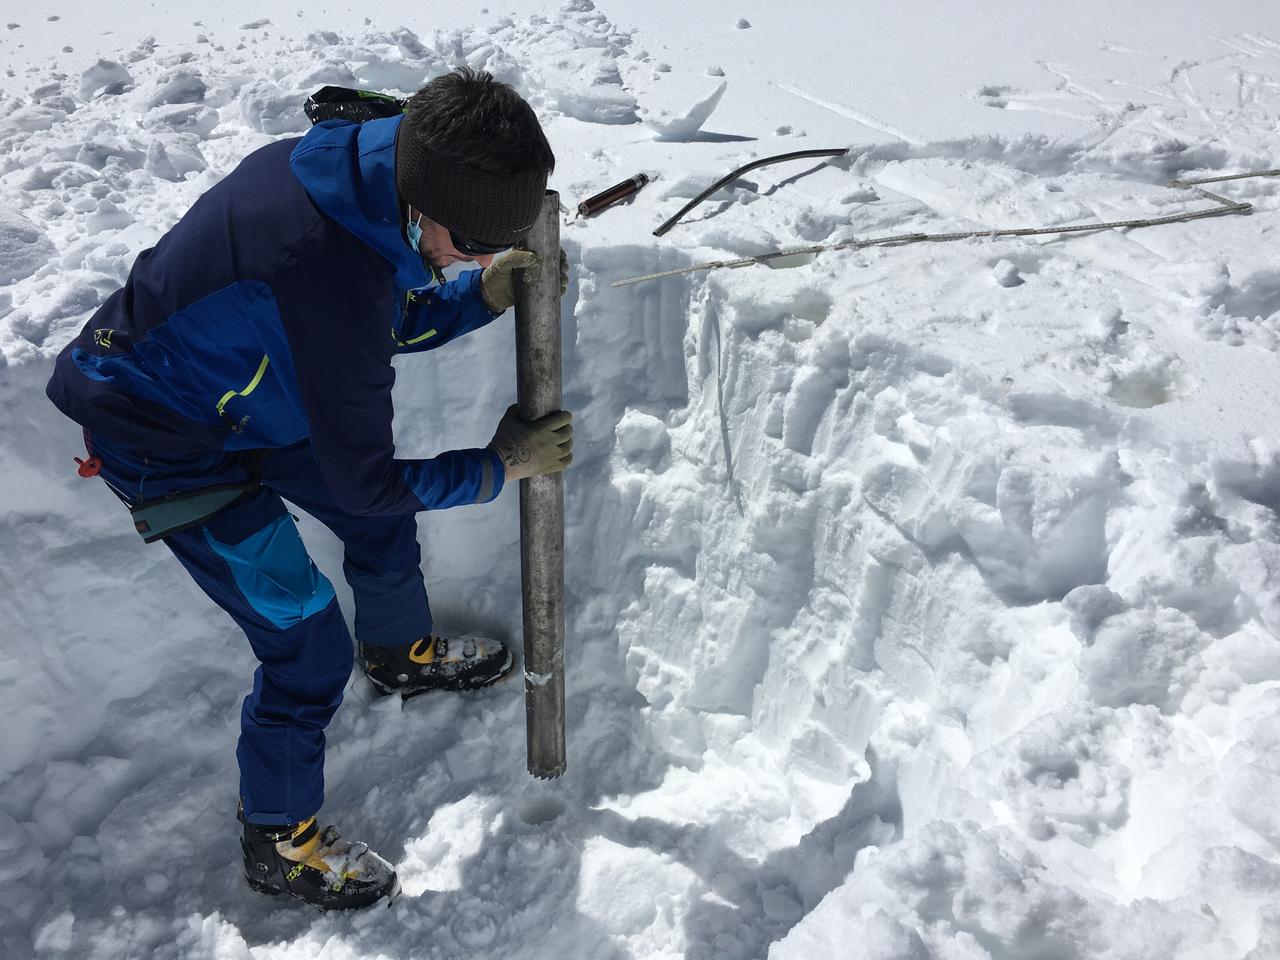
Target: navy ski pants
{"x": 251, "y": 562}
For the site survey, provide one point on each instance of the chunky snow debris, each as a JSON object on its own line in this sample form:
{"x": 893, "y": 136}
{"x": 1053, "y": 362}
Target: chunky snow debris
{"x": 24, "y": 248}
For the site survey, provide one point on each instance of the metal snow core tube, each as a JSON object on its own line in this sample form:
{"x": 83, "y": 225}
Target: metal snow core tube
{"x": 542, "y": 498}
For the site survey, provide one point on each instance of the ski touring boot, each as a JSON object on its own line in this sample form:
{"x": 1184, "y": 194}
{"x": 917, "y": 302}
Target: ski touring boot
{"x": 315, "y": 866}
{"x": 436, "y": 663}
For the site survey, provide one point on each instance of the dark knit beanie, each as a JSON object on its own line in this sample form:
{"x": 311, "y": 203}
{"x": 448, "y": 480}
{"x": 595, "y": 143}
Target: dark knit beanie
{"x": 473, "y": 203}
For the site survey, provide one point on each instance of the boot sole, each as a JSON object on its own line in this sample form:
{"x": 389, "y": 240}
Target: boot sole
{"x": 261, "y": 887}
{"x": 407, "y": 695}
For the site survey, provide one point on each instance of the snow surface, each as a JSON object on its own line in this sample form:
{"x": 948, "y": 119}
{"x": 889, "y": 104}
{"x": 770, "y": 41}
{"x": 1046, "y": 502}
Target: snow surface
{"x": 922, "y": 601}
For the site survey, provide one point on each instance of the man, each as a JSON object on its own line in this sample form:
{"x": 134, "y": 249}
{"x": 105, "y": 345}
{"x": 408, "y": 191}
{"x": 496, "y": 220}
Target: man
{"x": 248, "y": 358}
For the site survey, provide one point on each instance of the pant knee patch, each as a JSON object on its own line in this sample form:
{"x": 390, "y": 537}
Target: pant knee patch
{"x": 275, "y": 574}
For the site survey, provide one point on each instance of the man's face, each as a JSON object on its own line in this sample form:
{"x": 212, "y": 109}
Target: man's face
{"x": 438, "y": 250}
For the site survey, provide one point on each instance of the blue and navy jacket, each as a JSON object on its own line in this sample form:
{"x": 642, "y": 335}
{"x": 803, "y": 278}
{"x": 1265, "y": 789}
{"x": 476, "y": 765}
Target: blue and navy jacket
{"x": 269, "y": 314}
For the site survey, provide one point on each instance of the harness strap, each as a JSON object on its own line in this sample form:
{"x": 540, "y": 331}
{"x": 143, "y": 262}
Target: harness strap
{"x": 156, "y": 519}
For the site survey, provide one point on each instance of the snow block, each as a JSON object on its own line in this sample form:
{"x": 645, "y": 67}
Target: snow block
{"x": 24, "y": 248}
{"x": 106, "y": 78}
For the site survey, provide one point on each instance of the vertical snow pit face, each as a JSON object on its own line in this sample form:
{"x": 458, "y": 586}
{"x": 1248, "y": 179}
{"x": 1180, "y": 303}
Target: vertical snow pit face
{"x": 747, "y": 658}
{"x": 943, "y": 524}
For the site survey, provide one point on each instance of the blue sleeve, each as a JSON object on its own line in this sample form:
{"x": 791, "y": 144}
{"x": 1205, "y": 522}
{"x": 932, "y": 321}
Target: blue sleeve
{"x": 335, "y": 322}
{"x": 433, "y": 317}
{"x": 455, "y": 478}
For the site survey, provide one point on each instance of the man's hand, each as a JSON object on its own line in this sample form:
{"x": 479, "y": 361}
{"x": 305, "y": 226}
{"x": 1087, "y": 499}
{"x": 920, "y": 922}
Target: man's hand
{"x": 531, "y": 449}
{"x": 498, "y": 282}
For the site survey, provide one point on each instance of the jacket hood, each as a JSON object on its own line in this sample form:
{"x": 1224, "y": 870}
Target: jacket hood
{"x": 349, "y": 171}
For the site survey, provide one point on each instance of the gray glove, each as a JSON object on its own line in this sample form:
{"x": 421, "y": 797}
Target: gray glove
{"x": 498, "y": 282}
{"x": 531, "y": 449}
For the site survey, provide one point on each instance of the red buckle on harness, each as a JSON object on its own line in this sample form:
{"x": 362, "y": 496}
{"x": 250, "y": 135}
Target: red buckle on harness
{"x": 88, "y": 468}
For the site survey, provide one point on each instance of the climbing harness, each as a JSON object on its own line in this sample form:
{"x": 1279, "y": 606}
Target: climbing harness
{"x": 1223, "y": 207}
{"x": 158, "y": 517}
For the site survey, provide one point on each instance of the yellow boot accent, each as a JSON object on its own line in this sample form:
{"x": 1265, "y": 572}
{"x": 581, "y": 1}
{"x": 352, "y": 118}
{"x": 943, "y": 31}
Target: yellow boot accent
{"x": 306, "y": 855}
{"x": 424, "y": 656}
{"x": 312, "y": 854}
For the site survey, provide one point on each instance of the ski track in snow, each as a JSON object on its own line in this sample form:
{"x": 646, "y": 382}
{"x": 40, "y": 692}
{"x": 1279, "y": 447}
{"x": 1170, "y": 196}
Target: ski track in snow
{"x": 920, "y": 598}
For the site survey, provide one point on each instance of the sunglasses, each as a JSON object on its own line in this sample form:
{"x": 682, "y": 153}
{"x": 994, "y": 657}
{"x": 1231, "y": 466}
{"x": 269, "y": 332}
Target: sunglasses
{"x": 476, "y": 248}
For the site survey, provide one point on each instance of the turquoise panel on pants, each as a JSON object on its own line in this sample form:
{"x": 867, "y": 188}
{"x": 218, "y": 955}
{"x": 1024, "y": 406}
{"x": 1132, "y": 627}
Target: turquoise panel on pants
{"x": 274, "y": 572}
